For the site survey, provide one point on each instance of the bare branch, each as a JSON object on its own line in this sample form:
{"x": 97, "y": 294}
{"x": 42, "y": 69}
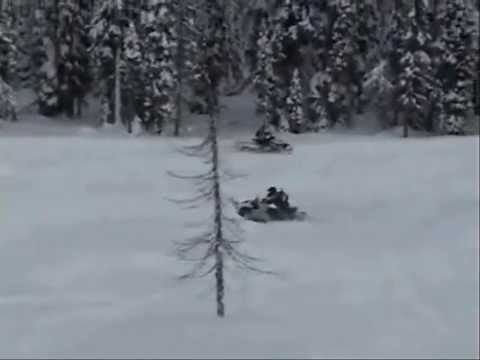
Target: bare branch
{"x": 245, "y": 261}
{"x": 208, "y": 233}
{"x": 186, "y": 246}
{"x": 196, "y": 272}
{"x": 204, "y": 176}
{"x": 204, "y": 186}
{"x": 203, "y": 196}
{"x": 197, "y": 150}
{"x": 201, "y": 261}
{"x": 231, "y": 175}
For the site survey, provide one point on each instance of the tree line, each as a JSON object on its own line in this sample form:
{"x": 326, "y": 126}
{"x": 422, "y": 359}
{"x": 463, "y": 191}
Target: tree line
{"x": 312, "y": 64}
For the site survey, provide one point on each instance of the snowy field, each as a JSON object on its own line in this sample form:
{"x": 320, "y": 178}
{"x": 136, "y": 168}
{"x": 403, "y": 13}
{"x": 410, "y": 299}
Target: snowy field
{"x": 388, "y": 265}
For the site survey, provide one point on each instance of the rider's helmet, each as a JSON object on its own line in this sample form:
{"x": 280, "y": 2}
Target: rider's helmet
{"x": 272, "y": 190}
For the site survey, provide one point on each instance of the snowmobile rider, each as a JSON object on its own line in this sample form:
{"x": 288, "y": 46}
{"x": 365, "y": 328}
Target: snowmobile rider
{"x": 277, "y": 198}
{"x": 264, "y": 136}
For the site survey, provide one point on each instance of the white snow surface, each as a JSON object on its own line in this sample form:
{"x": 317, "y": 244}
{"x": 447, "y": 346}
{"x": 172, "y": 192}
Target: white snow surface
{"x": 387, "y": 266}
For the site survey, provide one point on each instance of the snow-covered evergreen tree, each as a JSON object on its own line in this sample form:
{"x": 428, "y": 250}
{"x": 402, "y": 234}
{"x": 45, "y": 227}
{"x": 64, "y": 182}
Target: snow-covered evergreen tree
{"x": 475, "y": 13}
{"x": 454, "y": 111}
{"x": 135, "y": 74}
{"x": 217, "y": 41}
{"x": 8, "y": 48}
{"x": 234, "y": 43}
{"x": 107, "y": 36}
{"x": 457, "y": 66}
{"x": 320, "y": 22}
{"x": 214, "y": 40}
{"x": 24, "y": 63}
{"x": 43, "y": 69}
{"x": 392, "y": 49}
{"x": 392, "y": 46}
{"x": 160, "y": 46}
{"x": 291, "y": 32}
{"x": 132, "y": 10}
{"x": 404, "y": 81}
{"x": 7, "y": 102}
{"x": 185, "y": 52}
{"x": 378, "y": 86}
{"x": 133, "y": 46}
{"x": 366, "y": 29}
{"x": 270, "y": 95}
{"x": 294, "y": 101}
{"x": 417, "y": 85}
{"x": 7, "y": 56}
{"x": 254, "y": 29}
{"x": 264, "y": 74}
{"x": 165, "y": 85}
{"x": 367, "y": 47}
{"x": 319, "y": 117}
{"x": 421, "y": 13}
{"x": 73, "y": 70}
{"x": 147, "y": 65}
{"x": 342, "y": 64}
{"x": 293, "y": 28}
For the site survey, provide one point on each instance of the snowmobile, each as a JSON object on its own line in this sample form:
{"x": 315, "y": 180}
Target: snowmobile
{"x": 260, "y": 211}
{"x": 273, "y": 146}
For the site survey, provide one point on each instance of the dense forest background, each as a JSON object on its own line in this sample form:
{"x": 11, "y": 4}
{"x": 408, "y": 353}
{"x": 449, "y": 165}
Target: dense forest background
{"x": 312, "y": 65}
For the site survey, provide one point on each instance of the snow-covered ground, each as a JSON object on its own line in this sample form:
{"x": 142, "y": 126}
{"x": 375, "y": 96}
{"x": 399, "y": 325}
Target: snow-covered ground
{"x": 387, "y": 266}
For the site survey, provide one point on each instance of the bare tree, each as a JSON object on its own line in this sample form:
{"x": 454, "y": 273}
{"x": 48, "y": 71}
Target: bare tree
{"x": 211, "y": 250}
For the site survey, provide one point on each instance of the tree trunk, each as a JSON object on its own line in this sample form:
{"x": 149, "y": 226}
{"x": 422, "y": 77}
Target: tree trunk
{"x": 398, "y": 5}
{"x": 178, "y": 118}
{"x": 219, "y": 280}
{"x": 129, "y": 111}
{"x": 80, "y": 102}
{"x": 56, "y": 52}
{"x": 419, "y": 15}
{"x": 405, "y": 125}
{"x": 180, "y": 61}
{"x": 118, "y": 90}
{"x": 382, "y": 13}
{"x": 436, "y": 22}
{"x": 220, "y": 288}
{"x": 68, "y": 103}
{"x": 476, "y": 96}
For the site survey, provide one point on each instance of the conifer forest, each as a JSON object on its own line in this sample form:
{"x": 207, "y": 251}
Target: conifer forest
{"x": 311, "y": 64}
